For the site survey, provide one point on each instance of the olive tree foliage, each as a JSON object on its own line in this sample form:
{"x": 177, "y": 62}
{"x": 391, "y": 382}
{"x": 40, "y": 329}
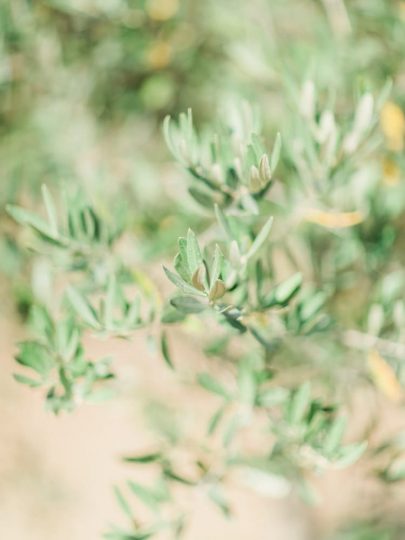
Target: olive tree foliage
{"x": 290, "y": 268}
{"x": 278, "y": 328}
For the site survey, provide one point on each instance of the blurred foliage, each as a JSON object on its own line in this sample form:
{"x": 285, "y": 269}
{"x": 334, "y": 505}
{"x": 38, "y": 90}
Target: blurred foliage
{"x": 373, "y": 530}
{"x": 293, "y": 181}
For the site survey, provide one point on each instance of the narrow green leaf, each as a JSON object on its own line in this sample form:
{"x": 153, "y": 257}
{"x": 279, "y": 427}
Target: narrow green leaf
{"x": 194, "y": 257}
{"x": 201, "y": 197}
{"x": 384, "y": 94}
{"x": 187, "y": 304}
{"x": 123, "y": 503}
{"x": 164, "y": 347}
{"x": 110, "y": 301}
{"x": 217, "y": 497}
{"x": 393, "y": 473}
{"x": 217, "y": 346}
{"x": 89, "y": 220}
{"x": 171, "y": 475}
{"x": 247, "y": 384}
{"x": 212, "y": 385}
{"x": 335, "y": 434}
{"x": 231, "y": 429}
{"x": 311, "y": 306}
{"x": 260, "y": 238}
{"x": 51, "y": 210}
{"x": 168, "y": 136}
{"x": 275, "y": 155}
{"x": 215, "y": 420}
{"x": 232, "y": 317}
{"x": 299, "y": 403}
{"x": 181, "y": 284}
{"x": 26, "y": 380}
{"x": 144, "y": 458}
{"x": 146, "y": 495}
{"x": 216, "y": 267}
{"x": 286, "y": 290}
{"x": 308, "y": 492}
{"x": 119, "y": 535}
{"x": 171, "y": 315}
{"x": 249, "y": 204}
{"x": 82, "y": 307}
{"x": 35, "y": 356}
{"x": 350, "y": 454}
{"x": 180, "y": 261}
{"x": 272, "y": 396}
{"x": 251, "y": 157}
{"x": 133, "y": 316}
{"x": 24, "y": 217}
{"x": 257, "y": 145}
{"x": 223, "y": 221}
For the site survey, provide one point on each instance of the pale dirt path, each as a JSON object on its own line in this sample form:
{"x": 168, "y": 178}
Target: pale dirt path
{"x": 56, "y": 473}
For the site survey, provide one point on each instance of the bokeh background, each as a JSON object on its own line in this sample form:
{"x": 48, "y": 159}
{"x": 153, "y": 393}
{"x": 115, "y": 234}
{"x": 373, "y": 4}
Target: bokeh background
{"x": 84, "y": 87}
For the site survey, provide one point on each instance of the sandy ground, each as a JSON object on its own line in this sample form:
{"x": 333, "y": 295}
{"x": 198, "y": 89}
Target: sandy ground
{"x": 56, "y": 473}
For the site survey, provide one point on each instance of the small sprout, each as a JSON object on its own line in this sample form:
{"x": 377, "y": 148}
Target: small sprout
{"x": 217, "y": 291}
{"x": 199, "y": 279}
{"x": 264, "y": 169}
